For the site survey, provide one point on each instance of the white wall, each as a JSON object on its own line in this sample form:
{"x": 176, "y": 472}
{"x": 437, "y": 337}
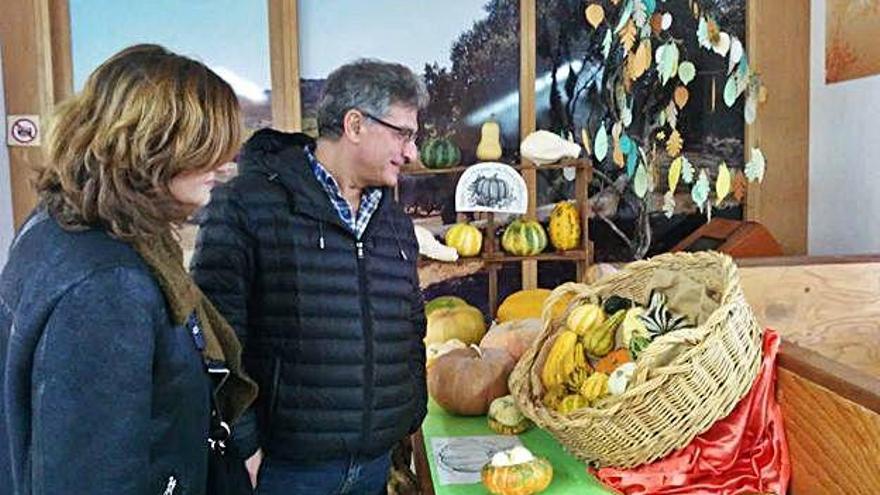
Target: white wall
{"x": 6, "y": 219}
{"x": 844, "y": 175}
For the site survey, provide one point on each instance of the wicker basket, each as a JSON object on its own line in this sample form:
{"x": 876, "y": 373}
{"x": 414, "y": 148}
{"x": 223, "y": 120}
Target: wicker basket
{"x": 668, "y": 405}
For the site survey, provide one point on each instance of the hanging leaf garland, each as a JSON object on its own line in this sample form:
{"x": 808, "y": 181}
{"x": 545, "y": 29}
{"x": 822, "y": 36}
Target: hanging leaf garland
{"x": 674, "y": 144}
{"x": 700, "y": 191}
{"x": 687, "y": 170}
{"x": 686, "y": 72}
{"x": 722, "y": 183}
{"x": 756, "y": 166}
{"x": 595, "y": 14}
{"x": 740, "y": 186}
{"x": 640, "y": 182}
{"x": 669, "y": 204}
{"x": 674, "y": 173}
{"x": 600, "y": 144}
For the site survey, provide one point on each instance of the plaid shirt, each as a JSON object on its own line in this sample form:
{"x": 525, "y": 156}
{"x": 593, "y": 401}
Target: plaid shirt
{"x": 370, "y": 198}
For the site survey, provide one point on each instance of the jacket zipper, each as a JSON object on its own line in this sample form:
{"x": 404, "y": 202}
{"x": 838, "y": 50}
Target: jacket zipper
{"x": 368, "y": 342}
{"x": 273, "y": 397}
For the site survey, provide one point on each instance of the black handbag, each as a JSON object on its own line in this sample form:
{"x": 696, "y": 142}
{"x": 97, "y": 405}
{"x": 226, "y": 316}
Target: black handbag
{"x": 227, "y": 474}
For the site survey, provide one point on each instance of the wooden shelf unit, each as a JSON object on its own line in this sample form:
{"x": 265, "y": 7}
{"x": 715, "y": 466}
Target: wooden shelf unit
{"x": 493, "y": 258}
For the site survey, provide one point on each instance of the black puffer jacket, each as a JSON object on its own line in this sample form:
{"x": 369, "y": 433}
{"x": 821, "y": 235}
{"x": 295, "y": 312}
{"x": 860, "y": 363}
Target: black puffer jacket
{"x": 332, "y": 326}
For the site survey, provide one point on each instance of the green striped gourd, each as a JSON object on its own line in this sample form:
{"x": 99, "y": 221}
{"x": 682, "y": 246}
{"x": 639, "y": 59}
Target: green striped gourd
{"x": 465, "y": 238}
{"x": 440, "y": 153}
{"x": 565, "y": 226}
{"x": 524, "y": 238}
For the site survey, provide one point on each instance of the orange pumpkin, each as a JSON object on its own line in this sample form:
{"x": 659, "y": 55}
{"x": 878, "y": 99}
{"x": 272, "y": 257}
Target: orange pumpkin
{"x": 524, "y": 478}
{"x": 465, "y": 381}
{"x": 612, "y": 360}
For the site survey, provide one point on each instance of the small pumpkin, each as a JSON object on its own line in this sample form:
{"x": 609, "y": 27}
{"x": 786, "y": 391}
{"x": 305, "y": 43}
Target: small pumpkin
{"x": 505, "y": 418}
{"x": 526, "y": 303}
{"x": 612, "y": 360}
{"x": 443, "y": 302}
{"x": 516, "y": 472}
{"x": 466, "y": 381}
{"x": 524, "y": 238}
{"x": 565, "y": 226}
{"x": 465, "y": 238}
{"x": 439, "y": 153}
{"x": 514, "y": 336}
{"x": 464, "y": 323}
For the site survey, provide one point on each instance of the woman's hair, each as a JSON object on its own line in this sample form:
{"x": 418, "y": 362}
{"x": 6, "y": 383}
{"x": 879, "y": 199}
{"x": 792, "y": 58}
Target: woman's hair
{"x": 144, "y": 116}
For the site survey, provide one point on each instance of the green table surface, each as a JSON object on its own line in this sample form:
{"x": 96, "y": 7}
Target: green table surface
{"x": 570, "y": 476}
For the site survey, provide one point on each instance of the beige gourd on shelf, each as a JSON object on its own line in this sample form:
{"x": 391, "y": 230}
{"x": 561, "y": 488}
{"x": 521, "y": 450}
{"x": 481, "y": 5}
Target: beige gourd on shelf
{"x": 490, "y": 141}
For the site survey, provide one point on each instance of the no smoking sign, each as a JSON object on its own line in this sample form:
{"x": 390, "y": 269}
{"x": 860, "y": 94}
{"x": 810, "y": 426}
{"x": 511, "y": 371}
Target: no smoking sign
{"x": 23, "y": 130}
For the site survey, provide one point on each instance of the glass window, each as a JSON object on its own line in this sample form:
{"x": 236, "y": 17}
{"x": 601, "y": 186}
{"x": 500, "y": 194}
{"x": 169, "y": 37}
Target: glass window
{"x": 230, "y": 36}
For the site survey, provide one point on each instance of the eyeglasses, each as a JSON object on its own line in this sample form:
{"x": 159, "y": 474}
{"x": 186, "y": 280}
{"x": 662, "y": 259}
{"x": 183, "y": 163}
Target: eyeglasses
{"x": 408, "y": 135}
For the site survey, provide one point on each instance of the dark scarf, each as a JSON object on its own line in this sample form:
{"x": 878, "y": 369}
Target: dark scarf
{"x": 165, "y": 258}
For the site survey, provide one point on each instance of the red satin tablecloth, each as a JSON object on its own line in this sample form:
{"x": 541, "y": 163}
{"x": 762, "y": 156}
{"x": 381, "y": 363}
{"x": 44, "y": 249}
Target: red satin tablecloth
{"x": 745, "y": 452}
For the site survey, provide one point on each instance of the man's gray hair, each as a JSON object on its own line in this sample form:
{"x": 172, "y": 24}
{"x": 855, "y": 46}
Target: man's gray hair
{"x": 368, "y": 85}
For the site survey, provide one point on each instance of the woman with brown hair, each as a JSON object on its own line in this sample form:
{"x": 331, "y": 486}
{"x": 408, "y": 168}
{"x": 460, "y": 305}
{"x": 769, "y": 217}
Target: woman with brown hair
{"x": 107, "y": 348}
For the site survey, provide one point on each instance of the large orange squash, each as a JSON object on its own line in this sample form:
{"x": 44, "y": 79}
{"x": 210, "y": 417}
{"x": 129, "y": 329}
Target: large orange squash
{"x": 466, "y": 381}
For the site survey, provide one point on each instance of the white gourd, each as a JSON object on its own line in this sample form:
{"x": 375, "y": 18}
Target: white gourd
{"x": 432, "y": 248}
{"x": 543, "y": 147}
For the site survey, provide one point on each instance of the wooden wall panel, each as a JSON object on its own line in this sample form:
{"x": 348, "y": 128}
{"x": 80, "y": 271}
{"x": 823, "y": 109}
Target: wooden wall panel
{"x": 25, "y": 34}
{"x": 779, "y": 48}
{"x": 834, "y": 442}
{"x": 284, "y": 60}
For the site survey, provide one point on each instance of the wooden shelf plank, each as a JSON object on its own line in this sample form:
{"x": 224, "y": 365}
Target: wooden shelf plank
{"x": 456, "y": 170}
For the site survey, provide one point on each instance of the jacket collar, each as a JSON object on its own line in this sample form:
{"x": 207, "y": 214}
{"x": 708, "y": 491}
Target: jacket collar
{"x": 280, "y": 157}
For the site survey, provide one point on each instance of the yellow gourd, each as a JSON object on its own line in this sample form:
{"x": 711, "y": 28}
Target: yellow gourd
{"x": 585, "y": 317}
{"x": 465, "y": 238}
{"x": 599, "y": 341}
{"x": 565, "y": 226}
{"x": 490, "y": 141}
{"x": 523, "y": 304}
{"x": 595, "y": 387}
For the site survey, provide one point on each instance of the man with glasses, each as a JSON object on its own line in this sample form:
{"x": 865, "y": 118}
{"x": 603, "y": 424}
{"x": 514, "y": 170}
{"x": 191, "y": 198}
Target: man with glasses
{"x": 313, "y": 263}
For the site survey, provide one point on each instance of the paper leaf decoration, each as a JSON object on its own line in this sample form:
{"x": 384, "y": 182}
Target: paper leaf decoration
{"x": 756, "y": 166}
{"x": 722, "y": 183}
{"x": 674, "y": 173}
{"x": 625, "y": 16}
{"x": 736, "y": 54}
{"x": 721, "y": 45}
{"x": 750, "y": 109}
{"x": 703, "y": 34}
{"x": 626, "y": 116}
{"x": 640, "y": 13}
{"x": 640, "y": 182}
{"x": 681, "y": 96}
{"x": 628, "y": 36}
{"x": 666, "y": 58}
{"x": 686, "y": 72}
{"x": 657, "y": 23}
{"x": 631, "y": 160}
{"x": 585, "y": 140}
{"x": 650, "y": 5}
{"x": 668, "y": 204}
{"x": 626, "y": 144}
{"x": 642, "y": 59}
{"x": 687, "y": 170}
{"x": 730, "y": 91}
{"x": 666, "y": 21}
{"x": 617, "y": 156}
{"x": 595, "y": 15}
{"x": 671, "y": 114}
{"x": 674, "y": 144}
{"x": 740, "y": 186}
{"x": 606, "y": 44}
{"x": 700, "y": 191}
{"x": 600, "y": 144}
